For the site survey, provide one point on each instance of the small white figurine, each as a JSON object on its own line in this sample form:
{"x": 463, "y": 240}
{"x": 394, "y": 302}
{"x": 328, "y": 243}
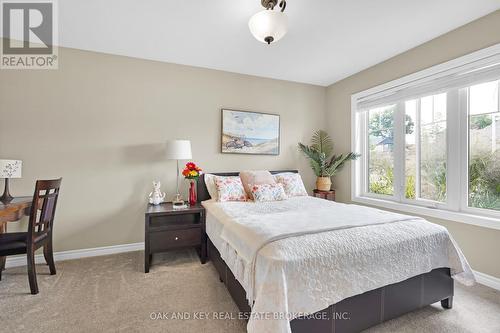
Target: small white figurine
{"x": 157, "y": 196}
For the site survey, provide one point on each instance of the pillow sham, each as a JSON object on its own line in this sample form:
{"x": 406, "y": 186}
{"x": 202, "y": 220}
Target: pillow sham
{"x": 292, "y": 183}
{"x": 211, "y": 187}
{"x": 230, "y": 189}
{"x": 268, "y": 192}
{"x": 255, "y": 177}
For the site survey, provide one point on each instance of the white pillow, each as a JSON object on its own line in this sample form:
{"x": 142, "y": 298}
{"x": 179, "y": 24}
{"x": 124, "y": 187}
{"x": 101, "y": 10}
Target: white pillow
{"x": 292, "y": 183}
{"x": 211, "y": 187}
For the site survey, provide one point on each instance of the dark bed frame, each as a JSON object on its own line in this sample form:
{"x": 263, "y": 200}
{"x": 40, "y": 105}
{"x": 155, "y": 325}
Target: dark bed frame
{"x": 355, "y": 313}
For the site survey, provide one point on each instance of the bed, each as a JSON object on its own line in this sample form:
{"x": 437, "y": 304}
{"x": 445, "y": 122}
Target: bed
{"x": 312, "y": 265}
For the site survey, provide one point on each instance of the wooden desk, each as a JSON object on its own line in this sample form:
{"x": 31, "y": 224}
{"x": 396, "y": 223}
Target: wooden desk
{"x": 13, "y": 211}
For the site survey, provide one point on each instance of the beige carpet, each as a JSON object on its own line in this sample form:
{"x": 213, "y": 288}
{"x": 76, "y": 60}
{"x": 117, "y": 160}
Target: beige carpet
{"x": 112, "y": 294}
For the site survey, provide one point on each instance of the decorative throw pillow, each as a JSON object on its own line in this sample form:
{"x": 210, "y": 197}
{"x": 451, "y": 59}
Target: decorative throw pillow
{"x": 250, "y": 178}
{"x": 211, "y": 187}
{"x": 292, "y": 183}
{"x": 268, "y": 192}
{"x": 230, "y": 189}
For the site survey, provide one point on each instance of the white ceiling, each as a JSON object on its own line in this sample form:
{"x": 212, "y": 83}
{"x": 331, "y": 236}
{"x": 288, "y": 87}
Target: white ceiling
{"x": 327, "y": 41}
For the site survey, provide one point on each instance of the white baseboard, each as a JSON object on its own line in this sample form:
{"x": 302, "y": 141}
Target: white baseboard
{"x": 76, "y": 254}
{"x": 487, "y": 280}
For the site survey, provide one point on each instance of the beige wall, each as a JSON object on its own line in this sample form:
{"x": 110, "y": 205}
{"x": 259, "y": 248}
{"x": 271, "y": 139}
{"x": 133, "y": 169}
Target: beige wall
{"x": 101, "y": 123}
{"x": 480, "y": 245}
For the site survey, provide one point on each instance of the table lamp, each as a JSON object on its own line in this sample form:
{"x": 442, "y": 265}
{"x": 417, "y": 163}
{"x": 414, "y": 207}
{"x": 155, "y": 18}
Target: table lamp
{"x": 178, "y": 150}
{"x": 9, "y": 169}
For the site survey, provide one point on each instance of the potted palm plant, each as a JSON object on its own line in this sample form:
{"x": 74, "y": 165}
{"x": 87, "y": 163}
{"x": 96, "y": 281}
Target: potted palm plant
{"x": 322, "y": 164}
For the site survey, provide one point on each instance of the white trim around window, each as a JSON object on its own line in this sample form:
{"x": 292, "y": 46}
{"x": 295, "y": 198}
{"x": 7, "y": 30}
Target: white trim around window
{"x": 451, "y": 77}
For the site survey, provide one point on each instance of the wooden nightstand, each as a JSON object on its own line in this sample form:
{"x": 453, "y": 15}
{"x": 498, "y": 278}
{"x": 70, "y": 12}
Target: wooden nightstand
{"x": 328, "y": 195}
{"x": 167, "y": 229}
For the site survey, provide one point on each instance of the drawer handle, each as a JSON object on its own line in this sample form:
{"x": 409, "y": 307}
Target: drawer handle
{"x": 176, "y": 238}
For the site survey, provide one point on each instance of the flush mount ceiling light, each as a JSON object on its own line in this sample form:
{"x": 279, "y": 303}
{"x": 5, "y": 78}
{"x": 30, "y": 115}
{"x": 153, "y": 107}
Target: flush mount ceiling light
{"x": 269, "y": 25}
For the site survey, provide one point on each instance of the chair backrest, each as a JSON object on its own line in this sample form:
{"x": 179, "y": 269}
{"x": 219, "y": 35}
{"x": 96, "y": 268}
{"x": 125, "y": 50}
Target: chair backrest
{"x": 43, "y": 209}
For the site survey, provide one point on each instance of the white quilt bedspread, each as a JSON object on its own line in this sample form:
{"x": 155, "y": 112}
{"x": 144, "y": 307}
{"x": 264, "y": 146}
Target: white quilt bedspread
{"x": 301, "y": 255}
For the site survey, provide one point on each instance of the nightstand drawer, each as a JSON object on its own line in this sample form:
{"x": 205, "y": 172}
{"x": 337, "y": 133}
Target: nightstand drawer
{"x": 172, "y": 220}
{"x": 171, "y": 239}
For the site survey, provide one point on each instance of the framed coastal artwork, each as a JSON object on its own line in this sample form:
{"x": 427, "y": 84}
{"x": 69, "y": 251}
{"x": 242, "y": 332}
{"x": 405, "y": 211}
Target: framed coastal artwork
{"x": 245, "y": 132}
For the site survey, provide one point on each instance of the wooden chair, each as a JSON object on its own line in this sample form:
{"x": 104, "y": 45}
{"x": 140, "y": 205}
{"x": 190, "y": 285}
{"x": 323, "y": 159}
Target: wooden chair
{"x": 39, "y": 233}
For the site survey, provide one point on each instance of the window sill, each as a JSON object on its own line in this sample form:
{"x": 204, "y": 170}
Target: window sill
{"x": 477, "y": 220}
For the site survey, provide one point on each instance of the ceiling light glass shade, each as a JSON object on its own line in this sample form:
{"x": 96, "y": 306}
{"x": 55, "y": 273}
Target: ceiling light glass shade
{"x": 268, "y": 25}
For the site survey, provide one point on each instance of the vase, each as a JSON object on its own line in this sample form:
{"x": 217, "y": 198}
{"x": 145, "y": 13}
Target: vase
{"x": 323, "y": 183}
{"x": 192, "y": 194}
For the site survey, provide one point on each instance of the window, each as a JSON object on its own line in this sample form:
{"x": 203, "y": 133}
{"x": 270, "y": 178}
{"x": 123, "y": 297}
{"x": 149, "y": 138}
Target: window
{"x": 432, "y": 140}
{"x": 425, "y": 148}
{"x": 381, "y": 155}
{"x": 484, "y": 145}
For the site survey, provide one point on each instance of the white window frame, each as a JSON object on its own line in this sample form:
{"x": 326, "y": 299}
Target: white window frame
{"x": 456, "y": 206}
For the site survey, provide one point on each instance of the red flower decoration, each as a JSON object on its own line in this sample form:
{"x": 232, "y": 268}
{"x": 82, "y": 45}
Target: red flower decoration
{"x": 191, "y": 171}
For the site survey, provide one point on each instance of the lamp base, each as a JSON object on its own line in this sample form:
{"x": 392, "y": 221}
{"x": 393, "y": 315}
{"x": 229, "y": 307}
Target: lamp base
{"x": 6, "y": 197}
{"x": 178, "y": 202}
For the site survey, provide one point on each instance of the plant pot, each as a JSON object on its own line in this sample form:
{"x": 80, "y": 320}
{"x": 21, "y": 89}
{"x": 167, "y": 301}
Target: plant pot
{"x": 324, "y": 183}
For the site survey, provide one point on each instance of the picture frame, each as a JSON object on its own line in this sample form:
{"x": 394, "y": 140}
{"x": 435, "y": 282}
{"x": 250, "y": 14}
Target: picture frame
{"x": 249, "y": 132}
